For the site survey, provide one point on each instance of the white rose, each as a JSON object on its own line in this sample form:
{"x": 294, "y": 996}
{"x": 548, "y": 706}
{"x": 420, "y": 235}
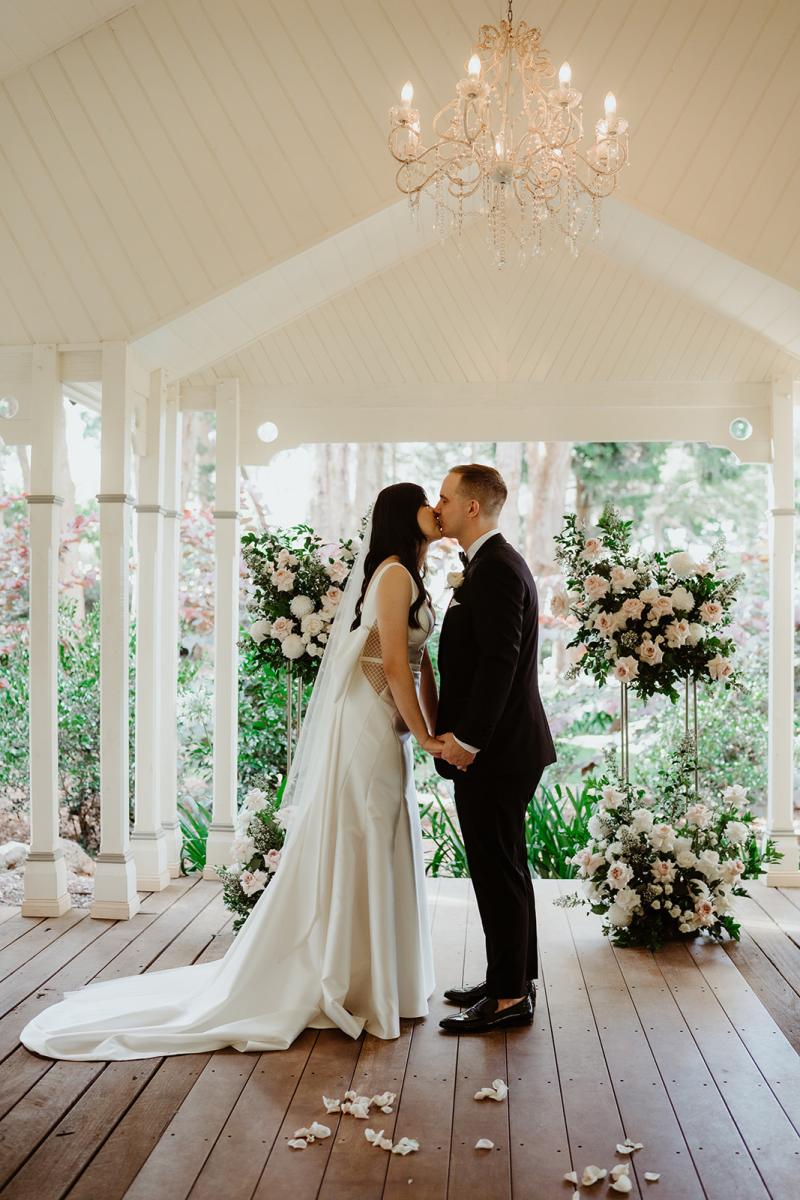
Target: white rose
{"x": 684, "y": 855}
{"x": 650, "y": 652}
{"x": 660, "y": 607}
{"x": 255, "y": 799}
{"x": 648, "y": 595}
{"x": 337, "y": 571}
{"x": 676, "y": 633}
{"x": 287, "y": 559}
{"x": 704, "y": 568}
{"x": 605, "y": 623}
{"x": 595, "y": 587}
{"x": 663, "y": 870}
{"x": 332, "y": 598}
{"x": 252, "y": 881}
{"x": 559, "y": 603}
{"x": 282, "y": 628}
{"x": 641, "y": 820}
{"x": 682, "y": 599}
{"x": 260, "y": 630}
{"x": 627, "y": 899}
{"x": 737, "y": 832}
{"x": 455, "y": 579}
{"x": 735, "y": 795}
{"x": 708, "y": 864}
{"x": 711, "y": 611}
{"x": 283, "y": 579}
{"x": 682, "y": 564}
{"x": 619, "y": 874}
{"x": 698, "y": 815}
{"x": 621, "y": 578}
{"x": 731, "y": 870}
{"x": 627, "y": 668}
{"x": 719, "y": 667}
{"x": 243, "y": 849}
{"x": 632, "y": 608}
{"x": 662, "y": 837}
{"x": 301, "y": 606}
{"x": 597, "y": 826}
{"x": 612, "y": 798}
{"x": 293, "y": 646}
{"x": 312, "y": 624}
{"x": 592, "y": 549}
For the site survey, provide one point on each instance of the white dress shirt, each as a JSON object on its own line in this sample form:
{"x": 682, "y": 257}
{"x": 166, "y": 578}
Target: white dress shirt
{"x": 471, "y": 552}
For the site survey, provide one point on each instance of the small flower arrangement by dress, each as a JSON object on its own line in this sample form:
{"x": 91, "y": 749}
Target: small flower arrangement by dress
{"x": 260, "y": 831}
{"x": 661, "y": 869}
{"x": 296, "y": 584}
{"x": 651, "y": 621}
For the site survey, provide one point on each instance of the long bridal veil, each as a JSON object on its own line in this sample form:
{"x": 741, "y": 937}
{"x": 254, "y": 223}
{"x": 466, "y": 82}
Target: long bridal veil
{"x": 340, "y": 937}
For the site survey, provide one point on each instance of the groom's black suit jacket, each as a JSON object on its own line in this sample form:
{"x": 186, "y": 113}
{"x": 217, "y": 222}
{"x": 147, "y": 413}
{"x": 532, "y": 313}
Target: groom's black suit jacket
{"x": 488, "y": 659}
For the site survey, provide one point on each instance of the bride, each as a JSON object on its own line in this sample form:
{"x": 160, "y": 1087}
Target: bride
{"x": 341, "y": 935}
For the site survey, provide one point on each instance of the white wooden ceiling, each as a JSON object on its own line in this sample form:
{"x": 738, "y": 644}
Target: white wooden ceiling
{"x": 29, "y": 29}
{"x": 184, "y": 150}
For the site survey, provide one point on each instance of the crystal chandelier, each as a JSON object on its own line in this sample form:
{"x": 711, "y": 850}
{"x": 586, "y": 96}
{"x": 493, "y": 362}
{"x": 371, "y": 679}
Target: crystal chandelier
{"x": 509, "y": 145}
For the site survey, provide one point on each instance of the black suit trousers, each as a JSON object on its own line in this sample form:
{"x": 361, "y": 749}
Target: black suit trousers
{"x": 491, "y": 812}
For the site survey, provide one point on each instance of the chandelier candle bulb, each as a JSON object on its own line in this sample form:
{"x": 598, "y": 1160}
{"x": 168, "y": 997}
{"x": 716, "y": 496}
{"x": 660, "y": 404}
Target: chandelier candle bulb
{"x": 474, "y": 67}
{"x": 565, "y": 75}
{"x": 610, "y": 106}
{"x": 407, "y": 95}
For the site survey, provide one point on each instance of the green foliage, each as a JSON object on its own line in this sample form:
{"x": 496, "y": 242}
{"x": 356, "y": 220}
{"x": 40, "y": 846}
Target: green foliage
{"x": 449, "y": 856}
{"x": 194, "y": 818}
{"x": 556, "y": 827}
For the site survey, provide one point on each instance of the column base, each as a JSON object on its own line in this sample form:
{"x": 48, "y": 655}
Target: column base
{"x": 150, "y": 857}
{"x": 218, "y": 848}
{"x": 45, "y": 882}
{"x": 785, "y": 873}
{"x": 172, "y": 833}
{"x": 115, "y": 895}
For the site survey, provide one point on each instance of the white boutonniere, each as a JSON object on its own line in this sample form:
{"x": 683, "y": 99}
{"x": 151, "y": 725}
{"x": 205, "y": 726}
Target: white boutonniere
{"x": 455, "y": 579}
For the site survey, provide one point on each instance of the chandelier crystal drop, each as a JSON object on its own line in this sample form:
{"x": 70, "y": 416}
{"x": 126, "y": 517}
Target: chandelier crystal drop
{"x": 509, "y": 145}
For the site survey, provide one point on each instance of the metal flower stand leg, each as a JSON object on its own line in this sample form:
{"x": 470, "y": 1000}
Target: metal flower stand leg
{"x": 623, "y": 733}
{"x": 690, "y": 721}
{"x": 294, "y": 711}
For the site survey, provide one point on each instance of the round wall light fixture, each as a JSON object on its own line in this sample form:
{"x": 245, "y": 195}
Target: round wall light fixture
{"x": 267, "y": 432}
{"x": 740, "y": 429}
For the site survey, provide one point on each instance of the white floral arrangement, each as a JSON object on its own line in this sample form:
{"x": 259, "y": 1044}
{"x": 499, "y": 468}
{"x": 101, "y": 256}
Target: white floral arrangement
{"x": 656, "y": 870}
{"x": 295, "y": 588}
{"x": 650, "y": 621}
{"x": 260, "y": 830}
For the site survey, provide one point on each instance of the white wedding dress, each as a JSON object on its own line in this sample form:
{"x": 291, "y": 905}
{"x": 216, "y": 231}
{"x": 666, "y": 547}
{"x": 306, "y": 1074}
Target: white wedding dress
{"x": 341, "y": 935}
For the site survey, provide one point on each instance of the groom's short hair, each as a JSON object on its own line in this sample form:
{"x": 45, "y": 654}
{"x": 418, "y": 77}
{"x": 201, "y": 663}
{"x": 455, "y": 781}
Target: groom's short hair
{"x": 484, "y": 484}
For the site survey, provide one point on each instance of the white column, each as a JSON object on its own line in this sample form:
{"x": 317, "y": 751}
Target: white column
{"x": 45, "y": 878}
{"x": 780, "y": 811}
{"x": 226, "y": 628}
{"x": 148, "y": 843}
{"x": 170, "y": 632}
{"x": 115, "y": 894}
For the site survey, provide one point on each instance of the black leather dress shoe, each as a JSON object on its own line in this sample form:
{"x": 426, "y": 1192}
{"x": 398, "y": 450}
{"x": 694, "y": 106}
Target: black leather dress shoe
{"x": 464, "y": 997}
{"x": 484, "y": 1016}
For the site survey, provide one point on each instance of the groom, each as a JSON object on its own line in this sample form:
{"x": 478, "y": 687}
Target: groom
{"x": 497, "y": 741}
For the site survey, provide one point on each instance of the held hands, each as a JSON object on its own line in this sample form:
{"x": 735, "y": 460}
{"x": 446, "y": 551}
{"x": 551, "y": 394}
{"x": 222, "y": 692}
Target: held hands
{"x": 433, "y": 745}
{"x": 454, "y": 753}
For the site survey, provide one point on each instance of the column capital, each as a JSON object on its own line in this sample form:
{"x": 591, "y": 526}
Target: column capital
{"x": 225, "y": 514}
{"x": 783, "y": 512}
{"x": 150, "y": 508}
{"x": 44, "y": 499}
{"x": 115, "y": 498}
{"x": 171, "y": 512}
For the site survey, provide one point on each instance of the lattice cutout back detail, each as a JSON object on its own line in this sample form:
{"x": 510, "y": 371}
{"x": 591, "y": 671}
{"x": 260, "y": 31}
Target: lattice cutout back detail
{"x": 372, "y": 661}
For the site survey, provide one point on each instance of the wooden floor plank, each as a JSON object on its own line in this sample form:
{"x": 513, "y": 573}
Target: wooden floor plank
{"x": 641, "y": 1095}
{"x": 762, "y": 1122}
{"x": 425, "y": 1107}
{"x": 538, "y": 1128}
{"x": 18, "y": 926}
{"x": 779, "y": 907}
{"x": 771, "y": 939}
{"x": 720, "y": 1155}
{"x": 594, "y": 1123}
{"x": 42, "y": 966}
{"x": 36, "y": 939}
{"x": 475, "y": 1174}
{"x": 780, "y": 1000}
{"x": 772, "y": 1054}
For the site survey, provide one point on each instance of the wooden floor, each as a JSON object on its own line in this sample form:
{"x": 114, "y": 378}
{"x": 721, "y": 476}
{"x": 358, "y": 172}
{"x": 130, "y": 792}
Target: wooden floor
{"x": 693, "y": 1052}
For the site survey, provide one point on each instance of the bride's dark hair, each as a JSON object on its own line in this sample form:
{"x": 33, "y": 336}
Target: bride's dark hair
{"x": 395, "y": 530}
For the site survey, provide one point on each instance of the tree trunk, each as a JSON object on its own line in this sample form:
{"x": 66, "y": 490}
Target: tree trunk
{"x": 548, "y": 476}
{"x": 508, "y": 460}
{"x": 65, "y": 487}
{"x": 369, "y": 478}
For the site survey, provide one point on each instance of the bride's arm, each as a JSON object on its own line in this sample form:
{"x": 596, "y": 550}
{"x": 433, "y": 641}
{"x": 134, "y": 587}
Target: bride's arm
{"x": 428, "y": 692}
{"x": 392, "y": 609}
